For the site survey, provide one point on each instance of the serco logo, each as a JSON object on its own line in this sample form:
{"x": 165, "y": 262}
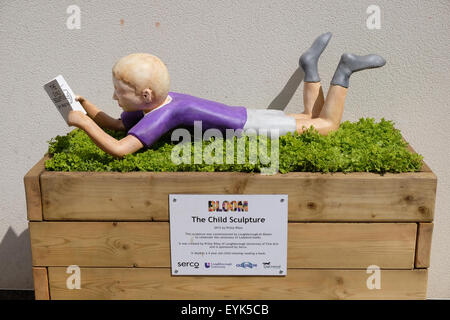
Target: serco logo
{"x": 189, "y": 264}
{"x": 246, "y": 265}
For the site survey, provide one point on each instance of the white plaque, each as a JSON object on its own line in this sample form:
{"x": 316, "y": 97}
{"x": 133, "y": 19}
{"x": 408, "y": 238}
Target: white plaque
{"x": 232, "y": 234}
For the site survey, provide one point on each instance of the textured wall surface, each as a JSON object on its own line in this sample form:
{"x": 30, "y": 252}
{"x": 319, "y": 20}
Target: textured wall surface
{"x": 237, "y": 52}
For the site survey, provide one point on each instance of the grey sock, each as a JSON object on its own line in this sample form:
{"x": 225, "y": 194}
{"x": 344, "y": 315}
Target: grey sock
{"x": 350, "y": 63}
{"x": 309, "y": 59}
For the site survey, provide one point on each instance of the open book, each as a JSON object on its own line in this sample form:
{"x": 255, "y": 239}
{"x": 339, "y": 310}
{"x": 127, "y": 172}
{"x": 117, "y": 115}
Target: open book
{"x": 62, "y": 96}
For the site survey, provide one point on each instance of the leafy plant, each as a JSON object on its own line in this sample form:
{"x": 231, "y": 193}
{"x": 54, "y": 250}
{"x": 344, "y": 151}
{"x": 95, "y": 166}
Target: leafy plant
{"x": 363, "y": 146}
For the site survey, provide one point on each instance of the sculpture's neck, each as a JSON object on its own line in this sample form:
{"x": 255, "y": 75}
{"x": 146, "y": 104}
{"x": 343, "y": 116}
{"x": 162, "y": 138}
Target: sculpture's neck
{"x": 168, "y": 100}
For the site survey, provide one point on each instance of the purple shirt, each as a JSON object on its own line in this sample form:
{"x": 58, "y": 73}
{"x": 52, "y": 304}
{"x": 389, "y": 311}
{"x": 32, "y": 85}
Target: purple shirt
{"x": 183, "y": 110}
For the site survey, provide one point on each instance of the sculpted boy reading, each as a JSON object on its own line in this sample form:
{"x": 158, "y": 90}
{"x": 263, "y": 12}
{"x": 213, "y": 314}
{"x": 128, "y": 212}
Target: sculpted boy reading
{"x": 141, "y": 88}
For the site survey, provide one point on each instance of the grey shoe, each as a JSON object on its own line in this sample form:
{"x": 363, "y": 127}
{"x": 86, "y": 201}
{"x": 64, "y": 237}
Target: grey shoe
{"x": 350, "y": 63}
{"x": 310, "y": 58}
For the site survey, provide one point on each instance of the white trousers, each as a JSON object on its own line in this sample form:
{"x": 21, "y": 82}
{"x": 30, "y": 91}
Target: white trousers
{"x": 266, "y": 120}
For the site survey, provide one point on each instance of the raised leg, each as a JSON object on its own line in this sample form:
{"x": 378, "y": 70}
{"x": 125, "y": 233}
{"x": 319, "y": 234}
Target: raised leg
{"x": 313, "y": 101}
{"x": 313, "y": 98}
{"x": 331, "y": 115}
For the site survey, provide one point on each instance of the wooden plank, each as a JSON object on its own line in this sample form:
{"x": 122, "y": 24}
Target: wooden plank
{"x": 33, "y": 190}
{"x": 351, "y": 245}
{"x": 423, "y": 248}
{"x": 125, "y": 244}
{"x": 157, "y": 283}
{"x": 41, "y": 291}
{"x": 143, "y": 196}
{"x": 146, "y": 244}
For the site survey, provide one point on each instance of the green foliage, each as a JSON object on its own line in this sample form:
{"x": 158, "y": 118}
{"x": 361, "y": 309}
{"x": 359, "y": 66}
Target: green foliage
{"x": 356, "y": 147}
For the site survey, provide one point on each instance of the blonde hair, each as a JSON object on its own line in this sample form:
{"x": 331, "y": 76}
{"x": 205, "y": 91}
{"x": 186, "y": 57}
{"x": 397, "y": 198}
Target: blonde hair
{"x": 142, "y": 71}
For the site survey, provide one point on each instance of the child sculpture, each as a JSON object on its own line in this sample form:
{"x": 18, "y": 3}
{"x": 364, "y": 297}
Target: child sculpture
{"x": 141, "y": 87}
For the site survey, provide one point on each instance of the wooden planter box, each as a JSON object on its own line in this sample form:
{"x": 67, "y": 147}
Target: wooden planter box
{"x": 115, "y": 227}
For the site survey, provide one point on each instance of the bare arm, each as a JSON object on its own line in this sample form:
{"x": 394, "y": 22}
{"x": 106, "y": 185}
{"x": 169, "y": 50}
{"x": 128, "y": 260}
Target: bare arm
{"x": 116, "y": 148}
{"x": 101, "y": 118}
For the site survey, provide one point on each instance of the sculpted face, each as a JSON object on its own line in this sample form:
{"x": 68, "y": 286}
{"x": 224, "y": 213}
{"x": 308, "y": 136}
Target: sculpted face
{"x": 141, "y": 82}
{"x": 127, "y": 98}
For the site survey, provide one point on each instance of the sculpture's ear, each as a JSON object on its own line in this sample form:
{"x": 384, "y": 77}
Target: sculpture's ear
{"x": 147, "y": 95}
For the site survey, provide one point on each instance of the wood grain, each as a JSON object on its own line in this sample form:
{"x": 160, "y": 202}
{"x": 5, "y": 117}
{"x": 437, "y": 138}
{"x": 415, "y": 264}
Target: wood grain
{"x": 33, "y": 190}
{"x": 143, "y": 196}
{"x": 423, "y": 248}
{"x": 41, "y": 290}
{"x": 130, "y": 244}
{"x": 351, "y": 245}
{"x": 146, "y": 244}
{"x": 157, "y": 283}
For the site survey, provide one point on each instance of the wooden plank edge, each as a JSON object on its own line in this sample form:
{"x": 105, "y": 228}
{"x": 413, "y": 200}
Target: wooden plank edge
{"x": 423, "y": 245}
{"x": 232, "y": 174}
{"x": 48, "y": 250}
{"x": 33, "y": 190}
{"x": 425, "y": 167}
{"x": 145, "y": 283}
{"x": 41, "y": 283}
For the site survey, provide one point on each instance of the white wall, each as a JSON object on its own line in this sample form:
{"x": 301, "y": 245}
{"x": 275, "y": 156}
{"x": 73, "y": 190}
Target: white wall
{"x": 237, "y": 52}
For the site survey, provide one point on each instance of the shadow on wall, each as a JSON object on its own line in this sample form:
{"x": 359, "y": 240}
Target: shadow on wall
{"x": 284, "y": 97}
{"x": 15, "y": 261}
